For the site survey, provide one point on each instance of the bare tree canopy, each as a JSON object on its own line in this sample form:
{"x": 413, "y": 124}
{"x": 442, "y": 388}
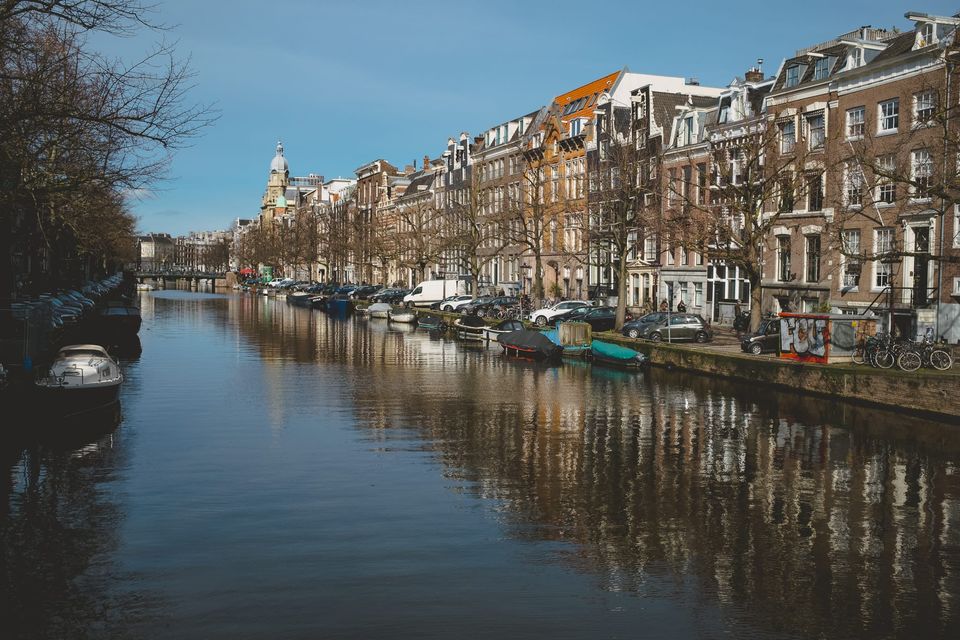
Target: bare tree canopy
{"x": 75, "y": 122}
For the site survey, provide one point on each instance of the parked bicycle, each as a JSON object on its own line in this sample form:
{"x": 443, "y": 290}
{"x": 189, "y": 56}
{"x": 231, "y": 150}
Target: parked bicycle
{"x": 884, "y": 351}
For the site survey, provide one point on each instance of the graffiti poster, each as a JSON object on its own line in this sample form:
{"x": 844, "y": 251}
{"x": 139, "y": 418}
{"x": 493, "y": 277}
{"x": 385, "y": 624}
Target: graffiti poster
{"x": 805, "y": 339}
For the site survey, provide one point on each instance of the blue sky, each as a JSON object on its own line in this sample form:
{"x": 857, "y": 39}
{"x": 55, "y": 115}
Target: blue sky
{"x": 343, "y": 83}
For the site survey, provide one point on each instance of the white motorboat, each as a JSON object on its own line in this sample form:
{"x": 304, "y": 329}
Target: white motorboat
{"x": 405, "y": 316}
{"x": 379, "y": 310}
{"x": 469, "y": 327}
{"x": 83, "y": 377}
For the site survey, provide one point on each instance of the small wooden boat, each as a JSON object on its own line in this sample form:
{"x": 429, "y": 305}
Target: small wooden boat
{"x": 83, "y": 377}
{"x": 379, "y": 310}
{"x": 613, "y": 355}
{"x": 504, "y": 326}
{"x": 529, "y": 344}
{"x": 405, "y": 316}
{"x": 469, "y": 327}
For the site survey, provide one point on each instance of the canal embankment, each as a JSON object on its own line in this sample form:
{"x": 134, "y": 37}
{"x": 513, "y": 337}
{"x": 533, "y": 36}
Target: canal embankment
{"x": 925, "y": 392}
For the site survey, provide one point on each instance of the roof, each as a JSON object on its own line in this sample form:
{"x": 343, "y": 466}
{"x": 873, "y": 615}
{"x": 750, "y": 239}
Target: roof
{"x": 899, "y": 45}
{"x": 580, "y": 101}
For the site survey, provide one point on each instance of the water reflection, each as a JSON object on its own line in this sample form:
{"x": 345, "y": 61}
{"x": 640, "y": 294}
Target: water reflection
{"x": 795, "y": 514}
{"x": 661, "y": 501}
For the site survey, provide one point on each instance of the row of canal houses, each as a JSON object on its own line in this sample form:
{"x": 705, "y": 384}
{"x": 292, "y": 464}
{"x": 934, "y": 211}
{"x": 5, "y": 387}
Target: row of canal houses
{"x": 829, "y": 186}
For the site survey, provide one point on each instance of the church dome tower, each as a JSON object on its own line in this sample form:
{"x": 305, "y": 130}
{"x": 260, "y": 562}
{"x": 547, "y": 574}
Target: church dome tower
{"x": 277, "y": 182}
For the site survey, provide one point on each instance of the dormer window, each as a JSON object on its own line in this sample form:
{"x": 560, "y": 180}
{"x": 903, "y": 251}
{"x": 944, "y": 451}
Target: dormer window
{"x": 575, "y": 126}
{"x": 926, "y": 35}
{"x": 793, "y": 76}
{"x": 856, "y": 58}
{"x": 821, "y": 68}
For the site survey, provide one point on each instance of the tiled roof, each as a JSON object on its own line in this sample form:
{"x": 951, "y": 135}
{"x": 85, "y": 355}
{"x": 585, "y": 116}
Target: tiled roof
{"x": 584, "y": 98}
{"x": 897, "y": 46}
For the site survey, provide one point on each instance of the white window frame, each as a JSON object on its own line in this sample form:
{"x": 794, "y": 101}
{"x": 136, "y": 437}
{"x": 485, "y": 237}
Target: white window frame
{"x": 846, "y": 260}
{"x": 888, "y": 116}
{"x": 921, "y": 169}
{"x": 821, "y": 68}
{"x": 886, "y": 186}
{"x": 883, "y": 239}
{"x": 924, "y": 107}
{"x": 856, "y": 123}
{"x": 853, "y": 177}
{"x": 792, "y": 76}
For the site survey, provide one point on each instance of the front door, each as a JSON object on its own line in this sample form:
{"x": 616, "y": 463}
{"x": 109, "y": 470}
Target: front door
{"x": 921, "y": 245}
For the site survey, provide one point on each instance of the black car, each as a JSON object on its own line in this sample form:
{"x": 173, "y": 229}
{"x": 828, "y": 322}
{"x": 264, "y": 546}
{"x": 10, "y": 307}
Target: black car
{"x": 765, "y": 339}
{"x": 485, "y": 305}
{"x": 389, "y": 296}
{"x": 599, "y": 318}
{"x": 634, "y": 328}
{"x": 365, "y": 291}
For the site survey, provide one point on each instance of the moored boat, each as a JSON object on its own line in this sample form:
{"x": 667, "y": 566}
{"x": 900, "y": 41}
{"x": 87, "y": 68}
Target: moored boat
{"x": 430, "y": 322}
{"x": 574, "y": 350}
{"x": 379, "y": 310}
{"x": 614, "y": 355}
{"x": 83, "y": 377}
{"x": 504, "y": 326}
{"x": 119, "y": 319}
{"x": 529, "y": 344}
{"x": 405, "y": 316}
{"x": 469, "y": 327}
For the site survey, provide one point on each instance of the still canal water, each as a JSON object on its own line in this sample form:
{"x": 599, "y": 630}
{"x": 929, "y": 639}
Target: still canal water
{"x": 277, "y": 473}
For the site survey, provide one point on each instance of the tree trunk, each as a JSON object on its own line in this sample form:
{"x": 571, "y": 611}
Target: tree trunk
{"x": 538, "y": 279}
{"x": 622, "y": 289}
{"x": 756, "y": 297}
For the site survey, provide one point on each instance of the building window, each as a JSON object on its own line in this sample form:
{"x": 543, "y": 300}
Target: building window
{"x": 793, "y": 76}
{"x": 813, "y": 259}
{"x": 887, "y": 189}
{"x": 701, "y": 183}
{"x": 786, "y": 195}
{"x": 821, "y": 68}
{"x": 698, "y": 294}
{"x": 783, "y": 258}
{"x": 924, "y": 104}
{"x": 575, "y": 125}
{"x": 927, "y": 35}
{"x": 815, "y": 193}
{"x": 851, "y": 258}
{"x": 856, "y": 118}
{"x": 788, "y": 136}
{"x": 856, "y": 58}
{"x": 854, "y": 186}
{"x": 889, "y": 115}
{"x": 816, "y": 130}
{"x": 650, "y": 249}
{"x": 922, "y": 169}
{"x": 736, "y": 166}
{"x": 882, "y": 246}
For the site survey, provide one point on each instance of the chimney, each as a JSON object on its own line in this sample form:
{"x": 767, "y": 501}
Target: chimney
{"x": 695, "y": 82}
{"x": 426, "y": 162}
{"x": 755, "y": 74}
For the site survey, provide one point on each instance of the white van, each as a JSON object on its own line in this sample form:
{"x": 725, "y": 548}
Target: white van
{"x": 430, "y": 291}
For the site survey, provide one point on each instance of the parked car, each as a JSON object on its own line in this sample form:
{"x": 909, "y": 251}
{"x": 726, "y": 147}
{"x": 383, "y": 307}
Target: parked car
{"x": 365, "y": 291}
{"x": 765, "y": 339}
{"x": 487, "y": 305}
{"x": 633, "y": 328}
{"x": 681, "y": 327}
{"x": 389, "y": 296}
{"x": 545, "y": 316}
{"x": 599, "y": 318}
{"x": 452, "y": 303}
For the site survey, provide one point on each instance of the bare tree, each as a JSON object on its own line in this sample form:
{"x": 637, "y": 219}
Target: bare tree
{"x": 623, "y": 203}
{"x": 527, "y": 217}
{"x": 753, "y": 181}
{"x": 72, "y": 120}
{"x": 422, "y": 234}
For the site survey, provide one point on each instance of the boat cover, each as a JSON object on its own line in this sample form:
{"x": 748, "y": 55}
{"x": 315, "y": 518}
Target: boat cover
{"x": 471, "y": 321}
{"x": 507, "y": 325}
{"x": 612, "y": 351}
{"x": 532, "y": 342}
{"x": 379, "y": 307}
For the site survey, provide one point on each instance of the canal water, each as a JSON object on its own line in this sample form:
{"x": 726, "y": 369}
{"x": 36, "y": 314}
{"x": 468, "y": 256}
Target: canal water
{"x": 276, "y": 473}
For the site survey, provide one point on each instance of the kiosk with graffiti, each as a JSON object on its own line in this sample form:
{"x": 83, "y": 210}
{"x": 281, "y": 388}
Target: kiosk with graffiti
{"x": 805, "y": 338}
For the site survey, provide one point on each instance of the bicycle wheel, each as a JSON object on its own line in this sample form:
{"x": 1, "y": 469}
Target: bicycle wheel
{"x": 909, "y": 361}
{"x": 884, "y": 359}
{"x": 859, "y": 356}
{"x": 940, "y": 359}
